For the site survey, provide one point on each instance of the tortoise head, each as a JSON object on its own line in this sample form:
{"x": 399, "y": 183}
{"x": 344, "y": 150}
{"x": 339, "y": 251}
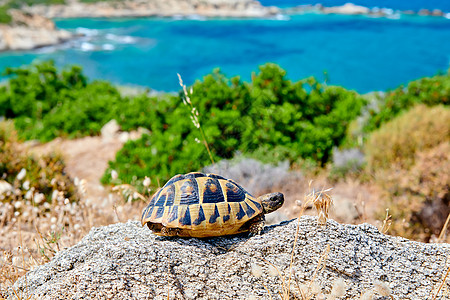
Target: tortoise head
{"x": 271, "y": 202}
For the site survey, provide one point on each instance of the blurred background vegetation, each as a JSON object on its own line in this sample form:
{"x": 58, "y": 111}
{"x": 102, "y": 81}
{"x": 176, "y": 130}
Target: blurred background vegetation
{"x": 398, "y": 139}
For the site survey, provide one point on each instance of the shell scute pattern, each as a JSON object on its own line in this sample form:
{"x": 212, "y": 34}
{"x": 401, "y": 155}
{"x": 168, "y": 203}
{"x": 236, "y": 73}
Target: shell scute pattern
{"x": 189, "y": 192}
{"x": 203, "y": 203}
{"x": 212, "y": 192}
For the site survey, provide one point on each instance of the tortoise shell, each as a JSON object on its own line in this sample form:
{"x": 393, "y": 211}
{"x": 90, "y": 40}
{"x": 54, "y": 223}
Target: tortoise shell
{"x": 201, "y": 205}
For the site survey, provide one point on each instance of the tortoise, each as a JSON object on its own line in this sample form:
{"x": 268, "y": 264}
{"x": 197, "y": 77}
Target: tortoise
{"x": 207, "y": 205}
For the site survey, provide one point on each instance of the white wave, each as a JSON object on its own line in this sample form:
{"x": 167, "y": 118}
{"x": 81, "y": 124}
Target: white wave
{"x": 177, "y": 17}
{"x": 87, "y": 46}
{"x": 387, "y": 11}
{"x": 447, "y": 16}
{"x": 196, "y": 17}
{"x": 121, "y": 39}
{"x": 87, "y": 31}
{"x": 108, "y": 47}
{"x": 394, "y": 16}
{"x": 281, "y": 17}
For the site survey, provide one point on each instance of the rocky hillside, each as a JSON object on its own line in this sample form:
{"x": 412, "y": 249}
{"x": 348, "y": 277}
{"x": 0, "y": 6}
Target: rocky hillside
{"x": 127, "y": 261}
{"x": 144, "y": 8}
{"x": 28, "y": 31}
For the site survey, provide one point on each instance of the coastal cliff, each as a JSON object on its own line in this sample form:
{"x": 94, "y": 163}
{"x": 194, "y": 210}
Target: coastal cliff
{"x": 146, "y": 8}
{"x": 29, "y": 31}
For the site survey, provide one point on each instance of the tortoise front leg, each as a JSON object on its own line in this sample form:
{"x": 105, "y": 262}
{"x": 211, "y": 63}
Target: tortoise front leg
{"x": 257, "y": 225}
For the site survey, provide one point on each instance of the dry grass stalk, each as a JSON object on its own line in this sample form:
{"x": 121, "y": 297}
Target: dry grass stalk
{"x": 444, "y": 230}
{"x": 194, "y": 116}
{"x": 320, "y": 264}
{"x": 444, "y": 279}
{"x": 322, "y": 202}
{"x": 387, "y": 222}
{"x": 129, "y": 192}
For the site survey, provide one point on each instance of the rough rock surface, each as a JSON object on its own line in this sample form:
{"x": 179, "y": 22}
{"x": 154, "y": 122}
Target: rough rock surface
{"x": 144, "y": 8}
{"x": 29, "y": 31}
{"x": 127, "y": 261}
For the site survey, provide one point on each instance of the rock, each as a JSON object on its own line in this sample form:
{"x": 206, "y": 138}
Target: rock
{"x": 275, "y": 218}
{"x": 20, "y": 18}
{"x": 110, "y": 130}
{"x": 424, "y": 12}
{"x": 124, "y": 137}
{"x": 127, "y": 261}
{"x": 437, "y": 13}
{"x": 145, "y": 8}
{"x": 29, "y": 31}
{"x": 347, "y": 9}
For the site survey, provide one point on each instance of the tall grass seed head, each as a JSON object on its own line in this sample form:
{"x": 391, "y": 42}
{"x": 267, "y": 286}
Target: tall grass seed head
{"x": 146, "y": 181}
{"x": 322, "y": 202}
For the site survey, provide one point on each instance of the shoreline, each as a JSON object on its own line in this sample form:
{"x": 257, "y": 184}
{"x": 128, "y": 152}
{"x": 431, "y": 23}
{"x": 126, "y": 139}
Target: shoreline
{"x": 155, "y": 8}
{"x": 353, "y": 9}
{"x": 34, "y": 27}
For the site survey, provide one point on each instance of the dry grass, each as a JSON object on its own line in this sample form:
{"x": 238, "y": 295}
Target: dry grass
{"x": 322, "y": 201}
{"x": 399, "y": 140}
{"x": 194, "y": 116}
{"x": 37, "y": 233}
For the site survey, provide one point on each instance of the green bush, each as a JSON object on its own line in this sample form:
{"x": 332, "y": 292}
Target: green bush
{"x": 429, "y": 91}
{"x": 5, "y": 17}
{"x": 397, "y": 141}
{"x": 46, "y": 103}
{"x": 269, "y": 117}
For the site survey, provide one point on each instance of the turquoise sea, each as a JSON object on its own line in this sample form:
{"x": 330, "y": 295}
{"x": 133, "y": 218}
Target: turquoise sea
{"x": 357, "y": 52}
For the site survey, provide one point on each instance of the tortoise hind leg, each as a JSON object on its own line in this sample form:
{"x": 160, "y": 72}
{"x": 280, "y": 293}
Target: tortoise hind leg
{"x": 257, "y": 225}
{"x": 169, "y": 231}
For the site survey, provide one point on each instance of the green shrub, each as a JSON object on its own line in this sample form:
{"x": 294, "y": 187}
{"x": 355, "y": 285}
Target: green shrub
{"x": 397, "y": 141}
{"x": 5, "y": 17}
{"x": 429, "y": 91}
{"x": 270, "y": 118}
{"x": 46, "y": 103}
